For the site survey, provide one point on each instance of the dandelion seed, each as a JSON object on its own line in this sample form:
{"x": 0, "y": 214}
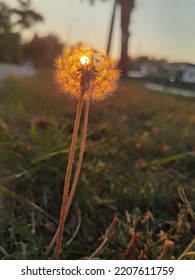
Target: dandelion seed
{"x": 87, "y": 68}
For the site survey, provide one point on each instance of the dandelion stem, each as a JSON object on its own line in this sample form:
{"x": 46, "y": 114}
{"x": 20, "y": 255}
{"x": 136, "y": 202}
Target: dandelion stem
{"x": 68, "y": 177}
{"x": 51, "y": 244}
{"x": 78, "y": 169}
{"x": 80, "y": 160}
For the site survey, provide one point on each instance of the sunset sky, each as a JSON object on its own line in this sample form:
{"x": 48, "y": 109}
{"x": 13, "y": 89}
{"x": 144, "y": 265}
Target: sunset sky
{"x": 159, "y": 28}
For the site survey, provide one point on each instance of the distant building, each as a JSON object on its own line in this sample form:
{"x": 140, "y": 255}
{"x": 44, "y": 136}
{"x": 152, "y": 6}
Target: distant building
{"x": 188, "y": 75}
{"x": 171, "y": 72}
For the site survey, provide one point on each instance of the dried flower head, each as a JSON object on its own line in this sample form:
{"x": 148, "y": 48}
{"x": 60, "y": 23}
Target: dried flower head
{"x": 87, "y": 71}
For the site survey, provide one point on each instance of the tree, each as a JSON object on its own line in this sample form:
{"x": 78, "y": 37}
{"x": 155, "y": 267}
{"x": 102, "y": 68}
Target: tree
{"x": 111, "y": 26}
{"x": 10, "y": 50}
{"x": 12, "y": 22}
{"x": 126, "y": 7}
{"x": 126, "y": 10}
{"x": 42, "y": 50}
{"x": 26, "y": 17}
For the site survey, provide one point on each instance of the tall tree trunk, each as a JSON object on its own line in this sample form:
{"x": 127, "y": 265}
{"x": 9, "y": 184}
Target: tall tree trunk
{"x": 126, "y": 9}
{"x": 111, "y": 26}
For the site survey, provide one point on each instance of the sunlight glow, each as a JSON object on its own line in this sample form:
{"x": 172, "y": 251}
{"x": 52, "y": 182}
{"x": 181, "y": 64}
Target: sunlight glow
{"x": 84, "y": 60}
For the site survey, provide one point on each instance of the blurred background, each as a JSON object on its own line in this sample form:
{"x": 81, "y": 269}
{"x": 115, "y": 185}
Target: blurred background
{"x": 140, "y": 142}
{"x": 152, "y": 37}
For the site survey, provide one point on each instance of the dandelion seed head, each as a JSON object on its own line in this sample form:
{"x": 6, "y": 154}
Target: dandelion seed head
{"x": 87, "y": 71}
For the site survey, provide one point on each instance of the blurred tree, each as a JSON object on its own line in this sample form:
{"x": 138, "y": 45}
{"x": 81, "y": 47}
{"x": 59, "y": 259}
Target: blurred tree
{"x": 26, "y": 17}
{"x": 42, "y": 50}
{"x": 12, "y": 22}
{"x": 9, "y": 42}
{"x": 5, "y": 13}
{"x": 111, "y": 26}
{"x": 126, "y": 10}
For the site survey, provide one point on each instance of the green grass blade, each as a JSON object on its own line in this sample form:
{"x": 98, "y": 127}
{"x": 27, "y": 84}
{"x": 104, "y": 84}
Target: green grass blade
{"x": 12, "y": 195}
{"x": 18, "y": 175}
{"x": 189, "y": 255}
{"x": 188, "y": 249}
{"x": 186, "y": 202}
{"x": 49, "y": 155}
{"x": 32, "y": 170}
{"x": 165, "y": 160}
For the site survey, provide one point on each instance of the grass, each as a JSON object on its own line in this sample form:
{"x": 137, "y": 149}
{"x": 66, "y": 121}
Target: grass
{"x": 140, "y": 150}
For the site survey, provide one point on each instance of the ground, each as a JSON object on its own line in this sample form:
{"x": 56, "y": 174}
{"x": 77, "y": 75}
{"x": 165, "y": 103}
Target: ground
{"x": 140, "y": 150}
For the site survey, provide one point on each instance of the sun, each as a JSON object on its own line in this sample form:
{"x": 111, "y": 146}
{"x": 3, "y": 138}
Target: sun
{"x": 84, "y": 60}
